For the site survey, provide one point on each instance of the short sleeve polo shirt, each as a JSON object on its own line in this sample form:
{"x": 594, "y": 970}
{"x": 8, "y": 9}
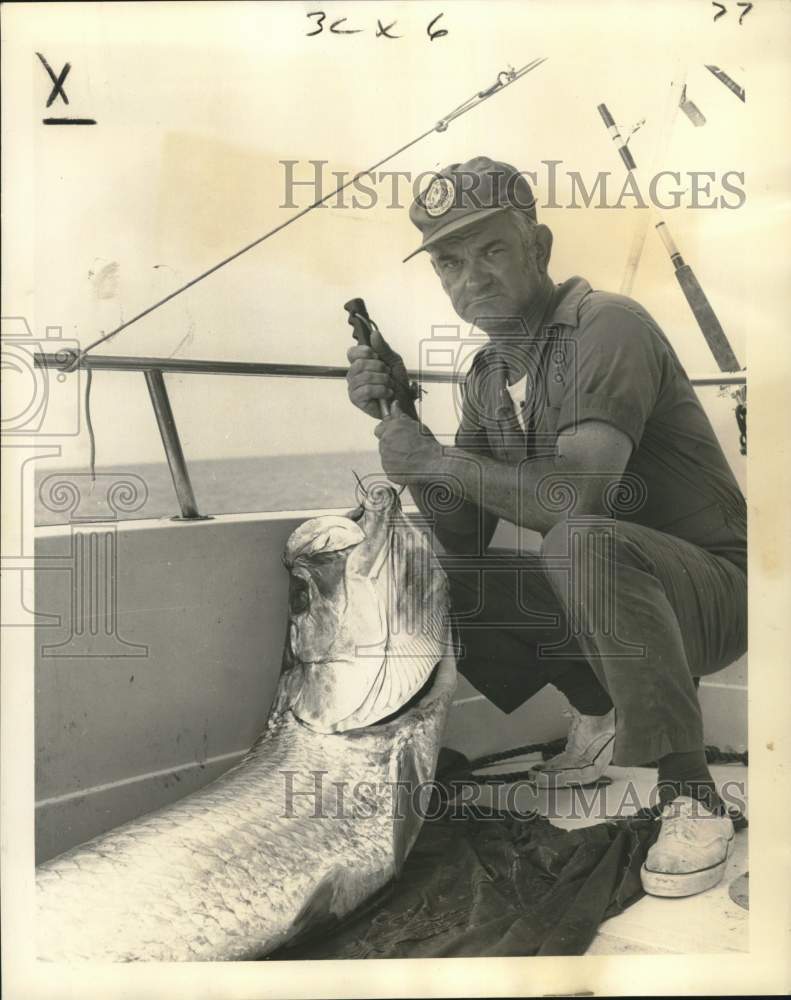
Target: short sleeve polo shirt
{"x": 601, "y": 356}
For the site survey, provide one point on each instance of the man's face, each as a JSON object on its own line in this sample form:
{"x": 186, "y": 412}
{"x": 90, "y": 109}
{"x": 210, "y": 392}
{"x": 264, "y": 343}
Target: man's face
{"x": 488, "y": 273}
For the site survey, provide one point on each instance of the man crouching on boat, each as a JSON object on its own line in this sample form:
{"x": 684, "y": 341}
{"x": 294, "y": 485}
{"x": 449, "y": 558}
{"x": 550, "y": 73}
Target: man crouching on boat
{"x": 578, "y": 422}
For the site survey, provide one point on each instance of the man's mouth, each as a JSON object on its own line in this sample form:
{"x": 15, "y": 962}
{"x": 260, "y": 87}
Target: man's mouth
{"x": 473, "y": 303}
{"x": 482, "y": 298}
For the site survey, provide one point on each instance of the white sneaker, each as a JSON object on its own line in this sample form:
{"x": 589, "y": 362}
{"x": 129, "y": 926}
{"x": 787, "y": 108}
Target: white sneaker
{"x": 690, "y": 852}
{"x": 587, "y": 755}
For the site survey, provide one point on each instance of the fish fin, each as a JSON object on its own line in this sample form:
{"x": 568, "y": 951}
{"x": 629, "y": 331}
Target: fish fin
{"x": 318, "y": 909}
{"x": 409, "y": 662}
{"x": 408, "y": 820}
{"x": 364, "y": 714}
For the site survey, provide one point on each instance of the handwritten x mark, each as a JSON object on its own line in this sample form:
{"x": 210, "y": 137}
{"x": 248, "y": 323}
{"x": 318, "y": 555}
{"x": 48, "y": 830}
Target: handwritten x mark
{"x": 57, "y": 81}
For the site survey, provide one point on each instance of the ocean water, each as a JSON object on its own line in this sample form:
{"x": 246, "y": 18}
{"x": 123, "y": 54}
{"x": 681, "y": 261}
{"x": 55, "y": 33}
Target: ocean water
{"x": 221, "y": 486}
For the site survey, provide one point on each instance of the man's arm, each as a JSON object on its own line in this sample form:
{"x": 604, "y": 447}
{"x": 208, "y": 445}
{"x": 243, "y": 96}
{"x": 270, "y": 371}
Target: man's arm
{"x": 377, "y": 372}
{"x": 533, "y": 494}
{"x": 462, "y": 525}
{"x": 615, "y": 380}
{"x": 537, "y": 494}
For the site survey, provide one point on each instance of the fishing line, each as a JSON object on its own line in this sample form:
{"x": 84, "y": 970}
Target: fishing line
{"x": 504, "y": 79}
{"x": 659, "y": 152}
{"x": 632, "y": 129}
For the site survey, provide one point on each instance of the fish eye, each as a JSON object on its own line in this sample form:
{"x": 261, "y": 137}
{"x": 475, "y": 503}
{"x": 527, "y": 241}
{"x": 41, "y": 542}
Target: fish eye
{"x": 298, "y": 595}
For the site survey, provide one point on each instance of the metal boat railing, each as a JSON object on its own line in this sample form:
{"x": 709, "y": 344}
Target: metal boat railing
{"x": 154, "y": 370}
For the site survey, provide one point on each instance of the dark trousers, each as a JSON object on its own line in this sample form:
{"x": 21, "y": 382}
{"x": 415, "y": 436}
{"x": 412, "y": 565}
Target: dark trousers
{"x": 611, "y": 613}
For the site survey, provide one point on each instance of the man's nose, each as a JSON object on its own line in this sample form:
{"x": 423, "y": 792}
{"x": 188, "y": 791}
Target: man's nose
{"x": 476, "y": 276}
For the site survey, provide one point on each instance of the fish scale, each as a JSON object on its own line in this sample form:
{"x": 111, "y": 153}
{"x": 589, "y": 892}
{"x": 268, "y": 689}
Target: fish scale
{"x": 239, "y": 867}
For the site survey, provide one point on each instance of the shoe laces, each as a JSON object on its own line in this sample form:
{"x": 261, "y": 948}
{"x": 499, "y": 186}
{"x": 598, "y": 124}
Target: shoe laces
{"x": 677, "y": 808}
{"x": 676, "y": 814}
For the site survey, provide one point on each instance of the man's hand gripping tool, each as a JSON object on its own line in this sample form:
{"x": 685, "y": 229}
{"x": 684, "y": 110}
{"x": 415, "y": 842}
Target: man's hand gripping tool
{"x": 363, "y": 326}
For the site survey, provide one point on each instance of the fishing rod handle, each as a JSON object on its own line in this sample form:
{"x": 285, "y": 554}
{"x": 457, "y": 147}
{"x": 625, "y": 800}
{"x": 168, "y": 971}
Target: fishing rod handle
{"x": 360, "y": 322}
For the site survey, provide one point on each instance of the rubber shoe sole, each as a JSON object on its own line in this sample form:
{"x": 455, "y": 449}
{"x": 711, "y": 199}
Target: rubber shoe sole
{"x": 673, "y": 884}
{"x": 577, "y": 777}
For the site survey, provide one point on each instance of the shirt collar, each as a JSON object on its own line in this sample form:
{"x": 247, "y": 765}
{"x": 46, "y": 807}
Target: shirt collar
{"x": 563, "y": 311}
{"x": 568, "y": 298}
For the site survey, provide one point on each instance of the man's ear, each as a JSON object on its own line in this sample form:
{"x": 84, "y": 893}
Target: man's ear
{"x": 543, "y": 237}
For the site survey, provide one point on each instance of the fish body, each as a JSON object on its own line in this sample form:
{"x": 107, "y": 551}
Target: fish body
{"x": 326, "y": 804}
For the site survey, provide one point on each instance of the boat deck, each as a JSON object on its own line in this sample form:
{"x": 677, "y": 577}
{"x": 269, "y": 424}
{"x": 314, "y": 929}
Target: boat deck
{"x": 136, "y": 721}
{"x": 702, "y": 924}
{"x": 707, "y": 923}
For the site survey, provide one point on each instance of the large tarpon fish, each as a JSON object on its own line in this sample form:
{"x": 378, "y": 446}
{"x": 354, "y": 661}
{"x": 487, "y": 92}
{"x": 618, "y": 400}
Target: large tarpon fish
{"x": 324, "y": 807}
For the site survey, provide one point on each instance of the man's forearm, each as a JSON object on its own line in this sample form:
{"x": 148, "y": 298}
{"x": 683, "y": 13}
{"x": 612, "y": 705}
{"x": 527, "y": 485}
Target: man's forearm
{"x": 465, "y": 494}
{"x": 461, "y": 526}
{"x": 519, "y": 493}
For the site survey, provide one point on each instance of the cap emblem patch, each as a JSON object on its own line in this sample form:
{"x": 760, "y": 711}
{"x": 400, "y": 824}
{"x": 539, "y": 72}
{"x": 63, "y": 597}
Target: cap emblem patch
{"x": 439, "y": 197}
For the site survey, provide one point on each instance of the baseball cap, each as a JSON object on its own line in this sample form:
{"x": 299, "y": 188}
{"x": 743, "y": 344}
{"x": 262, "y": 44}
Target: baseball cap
{"x": 464, "y": 193}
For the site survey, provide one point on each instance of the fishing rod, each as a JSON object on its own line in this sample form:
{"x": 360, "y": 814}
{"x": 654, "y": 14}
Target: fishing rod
{"x": 504, "y": 79}
{"x": 710, "y": 327}
{"x": 705, "y": 316}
